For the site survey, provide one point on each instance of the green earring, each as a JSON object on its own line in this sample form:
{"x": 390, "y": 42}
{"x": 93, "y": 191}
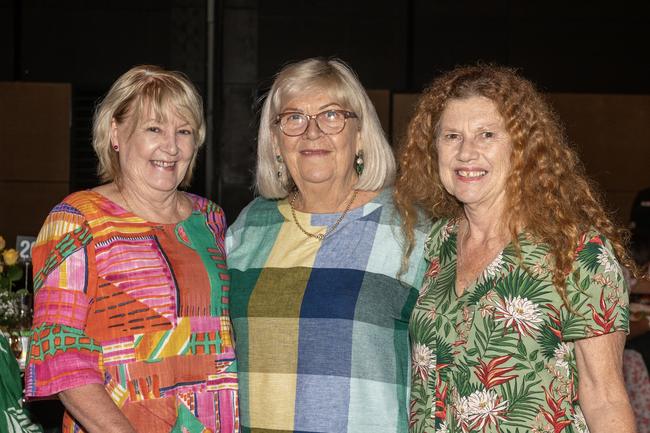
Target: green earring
{"x": 280, "y": 162}
{"x": 358, "y": 162}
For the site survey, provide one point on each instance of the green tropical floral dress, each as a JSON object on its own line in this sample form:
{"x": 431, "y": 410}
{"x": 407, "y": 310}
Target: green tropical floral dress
{"x": 500, "y": 358}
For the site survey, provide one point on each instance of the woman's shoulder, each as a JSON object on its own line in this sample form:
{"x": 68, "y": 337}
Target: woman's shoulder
{"x": 70, "y": 216}
{"x": 204, "y": 205}
{"x": 79, "y": 204}
{"x": 594, "y": 249}
{"x": 251, "y": 224}
{"x": 590, "y": 240}
{"x": 441, "y": 232}
{"x": 79, "y": 199}
{"x": 260, "y": 211}
{"x": 386, "y": 198}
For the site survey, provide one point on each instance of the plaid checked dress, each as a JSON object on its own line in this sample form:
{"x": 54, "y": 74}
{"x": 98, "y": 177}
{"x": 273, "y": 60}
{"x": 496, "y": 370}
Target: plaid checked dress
{"x": 322, "y": 326}
{"x": 141, "y": 308}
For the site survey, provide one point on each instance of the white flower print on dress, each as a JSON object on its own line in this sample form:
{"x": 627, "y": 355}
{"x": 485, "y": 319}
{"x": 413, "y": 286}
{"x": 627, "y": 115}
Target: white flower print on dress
{"x": 579, "y": 422}
{"x": 423, "y": 360}
{"x": 520, "y": 313}
{"x": 563, "y": 356}
{"x": 461, "y": 411}
{"x": 447, "y": 230}
{"x": 485, "y": 408}
{"x": 606, "y": 260}
{"x": 493, "y": 268}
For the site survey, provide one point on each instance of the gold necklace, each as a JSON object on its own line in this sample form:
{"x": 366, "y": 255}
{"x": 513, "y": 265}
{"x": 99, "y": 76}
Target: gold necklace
{"x": 330, "y": 229}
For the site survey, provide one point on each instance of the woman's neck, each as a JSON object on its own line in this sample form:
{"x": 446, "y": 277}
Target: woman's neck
{"x": 154, "y": 206}
{"x": 324, "y": 197}
{"x": 482, "y": 227}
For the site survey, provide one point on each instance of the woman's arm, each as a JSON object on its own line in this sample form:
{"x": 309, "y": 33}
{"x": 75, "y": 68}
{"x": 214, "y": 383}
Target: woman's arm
{"x": 601, "y": 389}
{"x": 93, "y": 408}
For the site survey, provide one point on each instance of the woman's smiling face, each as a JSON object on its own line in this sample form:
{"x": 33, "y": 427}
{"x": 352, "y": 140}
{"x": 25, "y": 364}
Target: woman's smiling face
{"x": 315, "y": 157}
{"x": 154, "y": 153}
{"x": 474, "y": 150}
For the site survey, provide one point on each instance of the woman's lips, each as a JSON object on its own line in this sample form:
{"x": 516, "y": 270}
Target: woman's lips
{"x": 470, "y": 174}
{"x": 314, "y": 152}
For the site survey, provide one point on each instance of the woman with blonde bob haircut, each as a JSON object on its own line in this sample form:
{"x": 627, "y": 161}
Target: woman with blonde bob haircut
{"x": 145, "y": 87}
{"x": 131, "y": 329}
{"x": 521, "y": 319}
{"x": 318, "y": 303}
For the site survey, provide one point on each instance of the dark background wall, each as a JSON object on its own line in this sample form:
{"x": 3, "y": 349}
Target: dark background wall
{"x": 396, "y": 45}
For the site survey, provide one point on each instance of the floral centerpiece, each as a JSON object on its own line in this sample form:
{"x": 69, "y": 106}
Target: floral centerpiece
{"x": 12, "y": 311}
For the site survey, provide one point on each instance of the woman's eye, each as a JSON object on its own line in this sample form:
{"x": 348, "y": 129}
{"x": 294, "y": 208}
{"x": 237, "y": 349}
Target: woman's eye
{"x": 488, "y": 134}
{"x": 296, "y": 117}
{"x": 153, "y": 129}
{"x": 452, "y": 136}
{"x": 331, "y": 115}
{"x": 185, "y": 132}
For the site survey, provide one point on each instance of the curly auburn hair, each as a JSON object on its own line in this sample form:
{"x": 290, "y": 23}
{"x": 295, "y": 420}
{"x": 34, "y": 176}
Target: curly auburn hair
{"x": 548, "y": 193}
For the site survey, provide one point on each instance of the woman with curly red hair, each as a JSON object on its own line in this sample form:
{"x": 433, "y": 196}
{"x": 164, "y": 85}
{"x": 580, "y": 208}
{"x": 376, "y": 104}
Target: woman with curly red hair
{"x": 524, "y": 294}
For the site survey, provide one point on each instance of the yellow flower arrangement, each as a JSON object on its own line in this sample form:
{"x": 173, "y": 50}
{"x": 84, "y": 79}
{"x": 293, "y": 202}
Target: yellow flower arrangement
{"x": 11, "y": 271}
{"x": 10, "y": 257}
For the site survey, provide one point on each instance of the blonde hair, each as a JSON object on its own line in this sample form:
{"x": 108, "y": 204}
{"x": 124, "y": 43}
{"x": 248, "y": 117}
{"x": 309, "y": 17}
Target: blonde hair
{"x": 143, "y": 88}
{"x": 339, "y": 81}
{"x": 547, "y": 190}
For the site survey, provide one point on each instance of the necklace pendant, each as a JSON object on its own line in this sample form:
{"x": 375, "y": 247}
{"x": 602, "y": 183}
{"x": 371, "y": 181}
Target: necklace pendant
{"x": 320, "y": 236}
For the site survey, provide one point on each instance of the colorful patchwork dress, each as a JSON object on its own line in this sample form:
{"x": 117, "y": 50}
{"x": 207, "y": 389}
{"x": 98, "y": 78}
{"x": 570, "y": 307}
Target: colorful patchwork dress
{"x": 141, "y": 308}
{"x": 322, "y": 326}
{"x": 501, "y": 357}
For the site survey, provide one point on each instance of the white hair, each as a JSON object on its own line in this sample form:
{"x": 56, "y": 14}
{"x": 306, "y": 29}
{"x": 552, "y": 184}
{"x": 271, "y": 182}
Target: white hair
{"x": 335, "y": 78}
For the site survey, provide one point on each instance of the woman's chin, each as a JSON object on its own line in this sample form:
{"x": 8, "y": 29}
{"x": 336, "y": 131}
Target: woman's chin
{"x": 157, "y": 185}
{"x": 316, "y": 178}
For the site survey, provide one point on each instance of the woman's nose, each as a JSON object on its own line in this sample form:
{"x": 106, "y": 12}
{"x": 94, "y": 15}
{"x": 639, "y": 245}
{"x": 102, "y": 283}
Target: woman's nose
{"x": 171, "y": 144}
{"x": 467, "y": 150}
{"x": 313, "y": 130}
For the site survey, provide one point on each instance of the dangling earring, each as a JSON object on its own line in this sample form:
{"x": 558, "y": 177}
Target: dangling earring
{"x": 358, "y": 162}
{"x": 115, "y": 147}
{"x": 281, "y": 167}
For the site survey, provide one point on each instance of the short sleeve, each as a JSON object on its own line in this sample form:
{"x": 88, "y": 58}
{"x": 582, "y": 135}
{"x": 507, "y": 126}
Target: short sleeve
{"x": 596, "y": 290}
{"x": 61, "y": 355}
{"x": 216, "y": 220}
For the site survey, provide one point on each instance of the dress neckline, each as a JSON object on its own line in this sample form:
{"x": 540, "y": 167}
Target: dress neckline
{"x": 377, "y": 199}
{"x": 481, "y": 276}
{"x": 191, "y": 197}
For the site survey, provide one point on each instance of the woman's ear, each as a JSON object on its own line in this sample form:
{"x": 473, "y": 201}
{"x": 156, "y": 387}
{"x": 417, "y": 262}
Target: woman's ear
{"x": 114, "y": 140}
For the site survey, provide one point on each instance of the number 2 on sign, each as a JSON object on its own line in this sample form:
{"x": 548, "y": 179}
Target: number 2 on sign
{"x": 25, "y": 248}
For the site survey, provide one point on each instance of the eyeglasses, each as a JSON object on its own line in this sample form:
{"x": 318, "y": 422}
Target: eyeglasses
{"x": 330, "y": 122}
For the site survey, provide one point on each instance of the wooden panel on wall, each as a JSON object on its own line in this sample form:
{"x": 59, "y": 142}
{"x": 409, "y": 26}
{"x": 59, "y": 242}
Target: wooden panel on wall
{"x": 35, "y": 154}
{"x": 25, "y": 206}
{"x": 35, "y": 131}
{"x": 610, "y": 132}
{"x": 612, "y": 135}
{"x": 381, "y": 100}
{"x": 403, "y": 106}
